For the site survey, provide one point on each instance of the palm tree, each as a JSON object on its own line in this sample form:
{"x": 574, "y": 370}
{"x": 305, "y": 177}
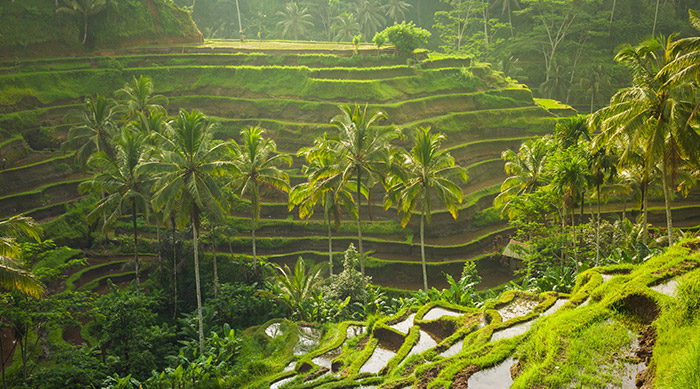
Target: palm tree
{"x": 84, "y": 9}
{"x": 569, "y": 179}
{"x": 652, "y": 114}
{"x": 346, "y": 27}
{"x": 255, "y": 166}
{"x": 295, "y": 21}
{"x": 361, "y": 151}
{"x": 369, "y": 16}
{"x": 525, "y": 169}
{"x": 426, "y": 170}
{"x": 299, "y": 286}
{"x": 12, "y": 274}
{"x": 396, "y": 9}
{"x": 138, "y": 97}
{"x": 595, "y": 79}
{"x": 189, "y": 164}
{"x": 92, "y": 128}
{"x": 602, "y": 164}
{"x": 507, "y": 6}
{"x": 124, "y": 183}
{"x": 332, "y": 194}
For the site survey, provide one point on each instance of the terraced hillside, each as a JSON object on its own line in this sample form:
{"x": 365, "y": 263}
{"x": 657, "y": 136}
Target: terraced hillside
{"x": 293, "y": 95}
{"x": 622, "y": 326}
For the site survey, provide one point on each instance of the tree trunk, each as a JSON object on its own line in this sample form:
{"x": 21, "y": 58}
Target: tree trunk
{"x": 667, "y": 202}
{"x": 136, "y": 246}
{"x": 597, "y": 229}
{"x": 255, "y": 257}
{"x": 160, "y": 246}
{"x": 240, "y": 26}
{"x": 330, "y": 245}
{"x": 645, "y": 229}
{"x": 197, "y": 282}
{"x": 612, "y": 14}
{"x": 85, "y": 23}
{"x": 172, "y": 239}
{"x": 422, "y": 251}
{"x": 573, "y": 235}
{"x": 656, "y": 15}
{"x": 213, "y": 259}
{"x": 486, "y": 25}
{"x": 624, "y": 207}
{"x": 359, "y": 224}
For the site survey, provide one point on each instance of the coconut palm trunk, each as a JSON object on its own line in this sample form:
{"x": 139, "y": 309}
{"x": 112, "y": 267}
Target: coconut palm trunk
{"x": 136, "y": 246}
{"x": 213, "y": 259}
{"x": 667, "y": 202}
{"x": 597, "y": 227}
{"x": 359, "y": 223}
{"x": 200, "y": 319}
{"x": 422, "y": 250}
{"x": 172, "y": 240}
{"x": 645, "y": 229}
{"x": 330, "y": 244}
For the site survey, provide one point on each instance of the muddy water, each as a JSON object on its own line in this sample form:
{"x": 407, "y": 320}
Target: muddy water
{"x": 512, "y": 331}
{"x": 495, "y": 377}
{"x": 405, "y": 325}
{"x": 453, "y": 350}
{"x": 668, "y": 288}
{"x": 425, "y": 342}
{"x": 290, "y": 367}
{"x": 438, "y": 312}
{"x": 555, "y": 307}
{"x": 517, "y": 308}
{"x": 607, "y": 277}
{"x": 377, "y": 361}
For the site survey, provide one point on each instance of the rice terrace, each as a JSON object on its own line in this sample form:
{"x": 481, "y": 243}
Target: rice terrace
{"x": 349, "y": 194}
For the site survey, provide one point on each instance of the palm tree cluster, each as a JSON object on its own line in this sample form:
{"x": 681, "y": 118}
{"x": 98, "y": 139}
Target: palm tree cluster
{"x": 172, "y": 171}
{"x": 648, "y": 137}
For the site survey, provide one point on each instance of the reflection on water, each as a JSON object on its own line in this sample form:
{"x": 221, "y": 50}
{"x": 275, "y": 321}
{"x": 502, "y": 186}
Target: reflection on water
{"x": 512, "y": 331}
{"x": 380, "y": 357}
{"x": 438, "y": 312}
{"x": 668, "y": 288}
{"x": 495, "y": 377}
{"x": 308, "y": 339}
{"x": 555, "y": 307}
{"x": 354, "y": 331}
{"x": 425, "y": 342}
{"x": 517, "y": 308}
{"x": 281, "y": 382}
{"x": 326, "y": 359}
{"x": 405, "y": 325}
{"x": 453, "y": 350}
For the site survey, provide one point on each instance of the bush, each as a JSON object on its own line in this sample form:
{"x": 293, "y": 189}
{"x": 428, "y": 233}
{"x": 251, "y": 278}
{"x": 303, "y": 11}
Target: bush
{"x": 406, "y": 37}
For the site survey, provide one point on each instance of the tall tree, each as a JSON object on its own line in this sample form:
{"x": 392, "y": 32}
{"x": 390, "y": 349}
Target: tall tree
{"x": 425, "y": 171}
{"x": 346, "y": 27}
{"x": 92, "y": 128}
{"x": 295, "y": 21}
{"x": 189, "y": 164}
{"x": 138, "y": 97}
{"x": 652, "y": 114}
{"x": 256, "y": 164}
{"x": 13, "y": 276}
{"x": 507, "y": 7}
{"x": 369, "y": 15}
{"x": 525, "y": 169}
{"x": 124, "y": 183}
{"x": 83, "y": 9}
{"x": 331, "y": 193}
{"x": 396, "y": 9}
{"x": 361, "y": 149}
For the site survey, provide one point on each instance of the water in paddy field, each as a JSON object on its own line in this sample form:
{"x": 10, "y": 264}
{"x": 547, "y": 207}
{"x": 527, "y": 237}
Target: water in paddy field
{"x": 438, "y": 312}
{"x": 668, "y": 288}
{"x": 517, "y": 308}
{"x": 281, "y": 382}
{"x": 273, "y": 330}
{"x": 380, "y": 357}
{"x": 512, "y": 331}
{"x": 453, "y": 350}
{"x": 354, "y": 331}
{"x": 404, "y": 325}
{"x": 425, "y": 342}
{"x": 555, "y": 307}
{"x": 326, "y": 359}
{"x": 495, "y": 377}
{"x": 308, "y": 340}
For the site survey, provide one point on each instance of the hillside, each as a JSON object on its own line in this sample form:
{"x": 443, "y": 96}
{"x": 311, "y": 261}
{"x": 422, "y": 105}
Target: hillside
{"x": 24, "y": 26}
{"x": 293, "y": 95}
{"x": 627, "y": 325}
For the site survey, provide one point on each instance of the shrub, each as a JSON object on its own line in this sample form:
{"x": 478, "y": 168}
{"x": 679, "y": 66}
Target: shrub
{"x": 406, "y": 37}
